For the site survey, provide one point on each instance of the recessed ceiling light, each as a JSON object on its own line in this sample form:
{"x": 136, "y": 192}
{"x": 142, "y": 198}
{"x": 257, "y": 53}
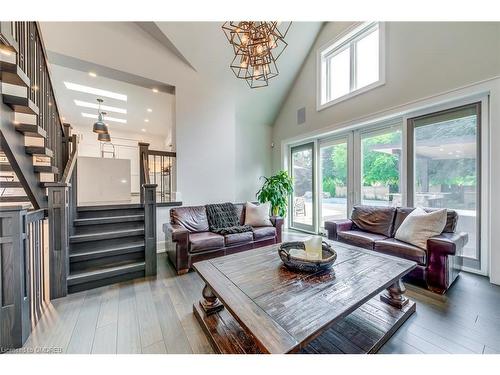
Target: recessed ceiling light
{"x": 155, "y": 90}
{"x": 106, "y": 108}
{"x": 106, "y": 118}
{"x": 144, "y": 130}
{"x": 146, "y": 120}
{"x": 92, "y": 74}
{"x": 95, "y": 91}
{"x": 150, "y": 110}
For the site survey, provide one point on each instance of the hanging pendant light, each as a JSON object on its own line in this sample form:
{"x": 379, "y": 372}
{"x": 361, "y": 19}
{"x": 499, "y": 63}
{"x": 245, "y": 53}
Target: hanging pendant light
{"x": 99, "y": 126}
{"x": 104, "y": 137}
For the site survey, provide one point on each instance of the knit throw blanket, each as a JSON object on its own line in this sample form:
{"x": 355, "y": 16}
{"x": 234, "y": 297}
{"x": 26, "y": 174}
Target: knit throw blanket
{"x": 223, "y": 219}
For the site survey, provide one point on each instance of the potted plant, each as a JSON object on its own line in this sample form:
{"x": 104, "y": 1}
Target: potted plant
{"x": 276, "y": 190}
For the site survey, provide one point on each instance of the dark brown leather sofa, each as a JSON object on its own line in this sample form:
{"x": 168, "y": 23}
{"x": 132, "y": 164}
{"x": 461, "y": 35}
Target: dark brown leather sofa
{"x": 374, "y": 228}
{"x": 193, "y": 242}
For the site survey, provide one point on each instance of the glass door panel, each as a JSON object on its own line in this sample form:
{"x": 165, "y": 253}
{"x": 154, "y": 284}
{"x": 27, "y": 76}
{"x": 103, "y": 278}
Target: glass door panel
{"x": 445, "y": 167}
{"x": 381, "y": 167}
{"x": 303, "y": 197}
{"x": 333, "y": 180}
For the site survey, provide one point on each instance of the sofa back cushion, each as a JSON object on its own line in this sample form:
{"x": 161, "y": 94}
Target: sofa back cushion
{"x": 374, "y": 219}
{"x": 240, "y": 210}
{"x": 403, "y": 212}
{"x": 193, "y": 218}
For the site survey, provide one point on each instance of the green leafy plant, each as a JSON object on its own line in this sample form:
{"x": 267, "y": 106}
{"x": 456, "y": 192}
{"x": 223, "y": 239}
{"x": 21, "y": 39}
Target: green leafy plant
{"x": 276, "y": 190}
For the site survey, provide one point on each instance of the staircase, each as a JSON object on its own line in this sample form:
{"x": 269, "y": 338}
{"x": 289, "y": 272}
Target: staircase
{"x": 31, "y": 128}
{"x": 107, "y": 246}
{"x": 12, "y": 190}
{"x": 99, "y": 245}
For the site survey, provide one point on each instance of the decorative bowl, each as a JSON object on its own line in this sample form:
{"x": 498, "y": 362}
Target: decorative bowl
{"x": 306, "y": 265}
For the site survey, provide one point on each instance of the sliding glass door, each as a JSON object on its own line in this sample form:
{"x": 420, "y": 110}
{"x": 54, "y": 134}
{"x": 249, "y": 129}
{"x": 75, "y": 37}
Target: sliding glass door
{"x": 381, "y": 166}
{"x": 444, "y": 168}
{"x": 334, "y": 179}
{"x": 303, "y": 207}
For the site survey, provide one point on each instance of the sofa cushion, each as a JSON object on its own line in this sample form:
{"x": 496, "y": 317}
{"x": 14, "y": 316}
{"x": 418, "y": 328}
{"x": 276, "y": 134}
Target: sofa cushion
{"x": 419, "y": 226}
{"x": 240, "y": 210}
{"x": 257, "y": 215}
{"x": 260, "y": 233}
{"x": 403, "y": 212}
{"x": 193, "y": 218}
{"x": 358, "y": 238}
{"x": 238, "y": 238}
{"x": 400, "y": 249}
{"x": 374, "y": 219}
{"x": 202, "y": 241}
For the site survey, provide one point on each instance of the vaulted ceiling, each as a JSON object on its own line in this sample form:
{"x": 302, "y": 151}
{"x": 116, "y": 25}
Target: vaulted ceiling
{"x": 200, "y": 47}
{"x": 205, "y": 48}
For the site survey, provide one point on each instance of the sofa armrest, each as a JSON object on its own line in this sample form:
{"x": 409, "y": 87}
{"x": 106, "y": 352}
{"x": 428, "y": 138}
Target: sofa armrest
{"x": 447, "y": 243}
{"x": 442, "y": 252}
{"x": 179, "y": 255}
{"x": 277, "y": 222}
{"x": 333, "y": 227}
{"x": 179, "y": 233}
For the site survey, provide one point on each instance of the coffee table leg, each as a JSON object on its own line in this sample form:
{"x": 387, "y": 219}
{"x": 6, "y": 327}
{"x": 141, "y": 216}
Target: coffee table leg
{"x": 210, "y": 303}
{"x": 394, "y": 295}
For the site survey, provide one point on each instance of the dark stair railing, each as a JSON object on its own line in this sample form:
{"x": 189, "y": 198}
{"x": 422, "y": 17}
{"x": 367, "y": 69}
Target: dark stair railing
{"x": 24, "y": 280}
{"x": 158, "y": 167}
{"x": 32, "y": 239}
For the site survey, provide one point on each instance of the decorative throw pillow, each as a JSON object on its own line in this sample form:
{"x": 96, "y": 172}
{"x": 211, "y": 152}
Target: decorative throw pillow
{"x": 419, "y": 226}
{"x": 257, "y": 216}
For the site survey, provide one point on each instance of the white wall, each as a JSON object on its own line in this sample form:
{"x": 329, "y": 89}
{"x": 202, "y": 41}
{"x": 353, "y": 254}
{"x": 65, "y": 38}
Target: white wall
{"x": 425, "y": 62}
{"x": 206, "y": 127}
{"x": 422, "y": 59}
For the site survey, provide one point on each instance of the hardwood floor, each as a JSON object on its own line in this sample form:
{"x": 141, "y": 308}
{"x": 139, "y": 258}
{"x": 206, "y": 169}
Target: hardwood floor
{"x": 154, "y": 315}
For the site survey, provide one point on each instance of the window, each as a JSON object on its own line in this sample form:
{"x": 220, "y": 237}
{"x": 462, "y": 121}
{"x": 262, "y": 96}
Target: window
{"x": 445, "y": 160}
{"x": 351, "y": 65}
{"x": 381, "y": 167}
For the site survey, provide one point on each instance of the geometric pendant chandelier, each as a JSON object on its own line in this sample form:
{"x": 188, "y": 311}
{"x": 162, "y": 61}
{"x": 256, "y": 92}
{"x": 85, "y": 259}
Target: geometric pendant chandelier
{"x": 256, "y": 46}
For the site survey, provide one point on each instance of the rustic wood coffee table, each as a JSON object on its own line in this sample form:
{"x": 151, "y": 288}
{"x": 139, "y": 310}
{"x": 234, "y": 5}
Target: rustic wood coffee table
{"x": 253, "y": 304}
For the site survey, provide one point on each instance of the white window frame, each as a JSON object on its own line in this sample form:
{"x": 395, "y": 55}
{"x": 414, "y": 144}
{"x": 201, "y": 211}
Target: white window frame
{"x": 348, "y": 38}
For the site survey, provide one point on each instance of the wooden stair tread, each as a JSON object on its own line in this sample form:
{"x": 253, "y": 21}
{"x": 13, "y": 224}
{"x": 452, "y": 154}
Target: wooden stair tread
{"x": 14, "y": 198}
{"x": 108, "y": 220}
{"x": 107, "y": 251}
{"x": 12, "y": 74}
{"x": 45, "y": 169}
{"x": 30, "y": 130}
{"x": 20, "y": 104}
{"x": 6, "y": 167}
{"x": 109, "y": 207}
{"x": 39, "y": 151}
{"x": 11, "y": 184}
{"x": 103, "y": 273}
{"x": 106, "y": 235}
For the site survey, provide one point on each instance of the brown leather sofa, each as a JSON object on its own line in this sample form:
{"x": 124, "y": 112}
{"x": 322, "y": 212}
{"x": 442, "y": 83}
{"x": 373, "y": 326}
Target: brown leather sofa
{"x": 193, "y": 242}
{"x": 373, "y": 228}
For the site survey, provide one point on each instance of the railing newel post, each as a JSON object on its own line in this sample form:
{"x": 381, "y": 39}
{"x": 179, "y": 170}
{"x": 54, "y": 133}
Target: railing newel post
{"x": 150, "y": 228}
{"x": 58, "y": 211}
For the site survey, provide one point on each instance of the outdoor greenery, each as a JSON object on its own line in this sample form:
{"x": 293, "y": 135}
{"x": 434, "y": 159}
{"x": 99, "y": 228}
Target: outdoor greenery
{"x": 276, "y": 190}
{"x": 381, "y": 159}
{"x": 440, "y": 167}
{"x": 380, "y": 164}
